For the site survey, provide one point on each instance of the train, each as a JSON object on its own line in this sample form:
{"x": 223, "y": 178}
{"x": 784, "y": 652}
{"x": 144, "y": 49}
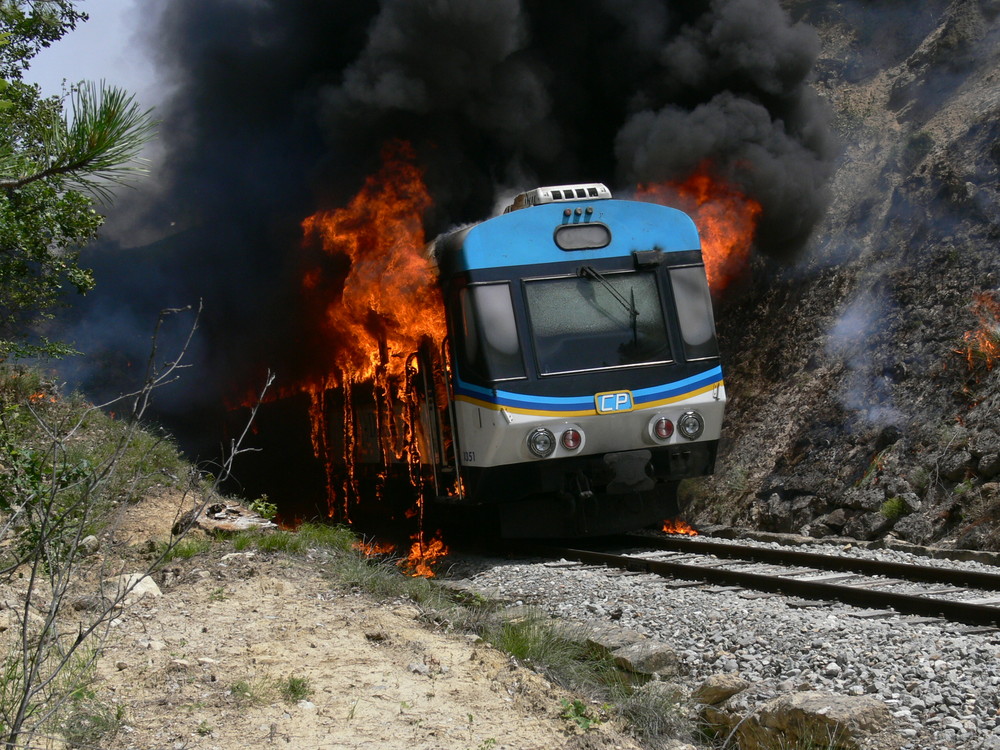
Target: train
{"x": 580, "y": 379}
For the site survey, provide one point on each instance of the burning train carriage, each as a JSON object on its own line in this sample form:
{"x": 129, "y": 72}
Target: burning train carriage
{"x": 581, "y": 377}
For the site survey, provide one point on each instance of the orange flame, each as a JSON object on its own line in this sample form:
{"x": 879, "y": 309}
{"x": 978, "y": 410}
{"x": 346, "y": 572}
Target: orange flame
{"x": 677, "y": 526}
{"x": 373, "y": 298}
{"x": 726, "y": 220}
{"x": 390, "y": 296}
{"x": 37, "y": 398}
{"x": 423, "y": 555}
{"x": 373, "y": 548}
{"x": 983, "y": 344}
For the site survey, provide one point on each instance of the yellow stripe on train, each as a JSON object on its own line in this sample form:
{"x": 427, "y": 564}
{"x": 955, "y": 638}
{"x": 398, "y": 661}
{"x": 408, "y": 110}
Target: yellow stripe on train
{"x": 584, "y": 412}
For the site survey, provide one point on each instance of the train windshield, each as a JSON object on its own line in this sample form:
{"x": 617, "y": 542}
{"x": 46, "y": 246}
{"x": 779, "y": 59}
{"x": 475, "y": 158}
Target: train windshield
{"x": 597, "y": 321}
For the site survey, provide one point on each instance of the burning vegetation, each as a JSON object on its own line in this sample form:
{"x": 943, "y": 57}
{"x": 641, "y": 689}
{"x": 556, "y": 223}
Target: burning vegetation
{"x": 982, "y": 345}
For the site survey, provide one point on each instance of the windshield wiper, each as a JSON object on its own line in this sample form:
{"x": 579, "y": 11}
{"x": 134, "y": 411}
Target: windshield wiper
{"x": 628, "y": 304}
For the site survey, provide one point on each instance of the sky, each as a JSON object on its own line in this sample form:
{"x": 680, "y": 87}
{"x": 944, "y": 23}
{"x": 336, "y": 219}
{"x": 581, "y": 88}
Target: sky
{"x": 104, "y": 48}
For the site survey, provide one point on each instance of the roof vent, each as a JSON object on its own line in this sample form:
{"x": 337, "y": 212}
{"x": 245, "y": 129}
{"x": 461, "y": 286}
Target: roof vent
{"x": 590, "y": 191}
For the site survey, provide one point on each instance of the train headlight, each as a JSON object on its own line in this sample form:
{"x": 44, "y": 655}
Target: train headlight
{"x": 572, "y": 439}
{"x": 663, "y": 428}
{"x": 691, "y": 425}
{"x": 541, "y": 442}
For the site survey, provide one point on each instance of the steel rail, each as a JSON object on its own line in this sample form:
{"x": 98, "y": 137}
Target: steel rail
{"x": 918, "y": 573}
{"x": 906, "y": 604}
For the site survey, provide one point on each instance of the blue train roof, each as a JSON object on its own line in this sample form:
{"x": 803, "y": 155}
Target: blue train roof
{"x": 527, "y": 236}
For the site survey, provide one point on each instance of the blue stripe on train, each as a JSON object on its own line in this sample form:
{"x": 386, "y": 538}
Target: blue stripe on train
{"x": 585, "y": 403}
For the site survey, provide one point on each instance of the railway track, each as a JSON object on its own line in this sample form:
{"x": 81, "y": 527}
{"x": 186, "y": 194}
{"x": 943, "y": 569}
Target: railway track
{"x": 963, "y": 596}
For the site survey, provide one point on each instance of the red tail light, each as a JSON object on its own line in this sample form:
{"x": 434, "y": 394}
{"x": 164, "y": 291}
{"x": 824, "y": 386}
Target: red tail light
{"x": 663, "y": 428}
{"x": 572, "y": 439}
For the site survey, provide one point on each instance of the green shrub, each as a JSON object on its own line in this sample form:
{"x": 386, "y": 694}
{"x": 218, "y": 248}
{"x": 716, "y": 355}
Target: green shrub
{"x": 295, "y": 689}
{"x": 894, "y": 508}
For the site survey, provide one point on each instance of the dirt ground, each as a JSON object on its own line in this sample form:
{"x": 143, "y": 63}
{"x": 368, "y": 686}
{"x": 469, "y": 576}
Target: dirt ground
{"x": 201, "y": 666}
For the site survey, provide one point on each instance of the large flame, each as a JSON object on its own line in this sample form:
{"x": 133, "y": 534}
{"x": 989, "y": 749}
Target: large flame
{"x": 725, "y": 217}
{"x": 389, "y": 298}
{"x": 374, "y": 301}
{"x": 372, "y": 318}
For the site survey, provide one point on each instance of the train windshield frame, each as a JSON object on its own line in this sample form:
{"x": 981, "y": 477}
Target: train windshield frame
{"x": 593, "y": 321}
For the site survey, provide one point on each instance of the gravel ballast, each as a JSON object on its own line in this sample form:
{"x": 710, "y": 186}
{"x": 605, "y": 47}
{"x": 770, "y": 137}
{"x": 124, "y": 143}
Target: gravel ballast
{"x": 940, "y": 680}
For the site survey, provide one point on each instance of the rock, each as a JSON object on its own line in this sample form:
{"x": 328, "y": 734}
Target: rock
{"x": 979, "y": 536}
{"x": 915, "y": 529}
{"x": 89, "y": 545}
{"x": 985, "y": 443}
{"x": 133, "y": 587}
{"x": 647, "y": 657}
{"x": 868, "y": 525}
{"x": 864, "y": 498}
{"x": 836, "y": 519}
{"x": 955, "y": 466}
{"x": 910, "y": 501}
{"x": 833, "y": 721}
{"x": 805, "y": 508}
{"x": 91, "y": 603}
{"x": 222, "y": 517}
{"x": 781, "y": 509}
{"x": 989, "y": 465}
{"x": 773, "y": 512}
{"x": 830, "y": 524}
{"x": 607, "y": 638}
{"x": 719, "y": 688}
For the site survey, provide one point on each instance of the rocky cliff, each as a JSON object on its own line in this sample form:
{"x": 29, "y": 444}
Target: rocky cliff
{"x": 864, "y": 380}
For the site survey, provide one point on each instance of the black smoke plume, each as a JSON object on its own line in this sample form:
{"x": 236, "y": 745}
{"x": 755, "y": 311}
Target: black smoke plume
{"x": 280, "y": 108}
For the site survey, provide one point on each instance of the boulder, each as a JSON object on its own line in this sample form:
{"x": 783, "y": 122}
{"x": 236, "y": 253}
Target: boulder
{"x": 868, "y": 526}
{"x": 916, "y": 529}
{"x": 605, "y": 638}
{"x": 985, "y": 443}
{"x": 133, "y": 586}
{"x": 989, "y": 465}
{"x": 805, "y": 508}
{"x": 956, "y": 466}
{"x": 773, "y": 513}
{"x": 719, "y": 688}
{"x": 978, "y": 537}
{"x": 835, "y": 520}
{"x": 647, "y": 657}
{"x": 824, "y": 719}
{"x": 864, "y": 498}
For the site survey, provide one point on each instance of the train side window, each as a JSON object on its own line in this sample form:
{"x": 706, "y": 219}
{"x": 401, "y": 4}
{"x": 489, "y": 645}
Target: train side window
{"x": 490, "y": 331}
{"x": 694, "y": 311}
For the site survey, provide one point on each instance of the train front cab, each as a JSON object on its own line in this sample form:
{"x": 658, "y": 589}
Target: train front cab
{"x": 585, "y": 380}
